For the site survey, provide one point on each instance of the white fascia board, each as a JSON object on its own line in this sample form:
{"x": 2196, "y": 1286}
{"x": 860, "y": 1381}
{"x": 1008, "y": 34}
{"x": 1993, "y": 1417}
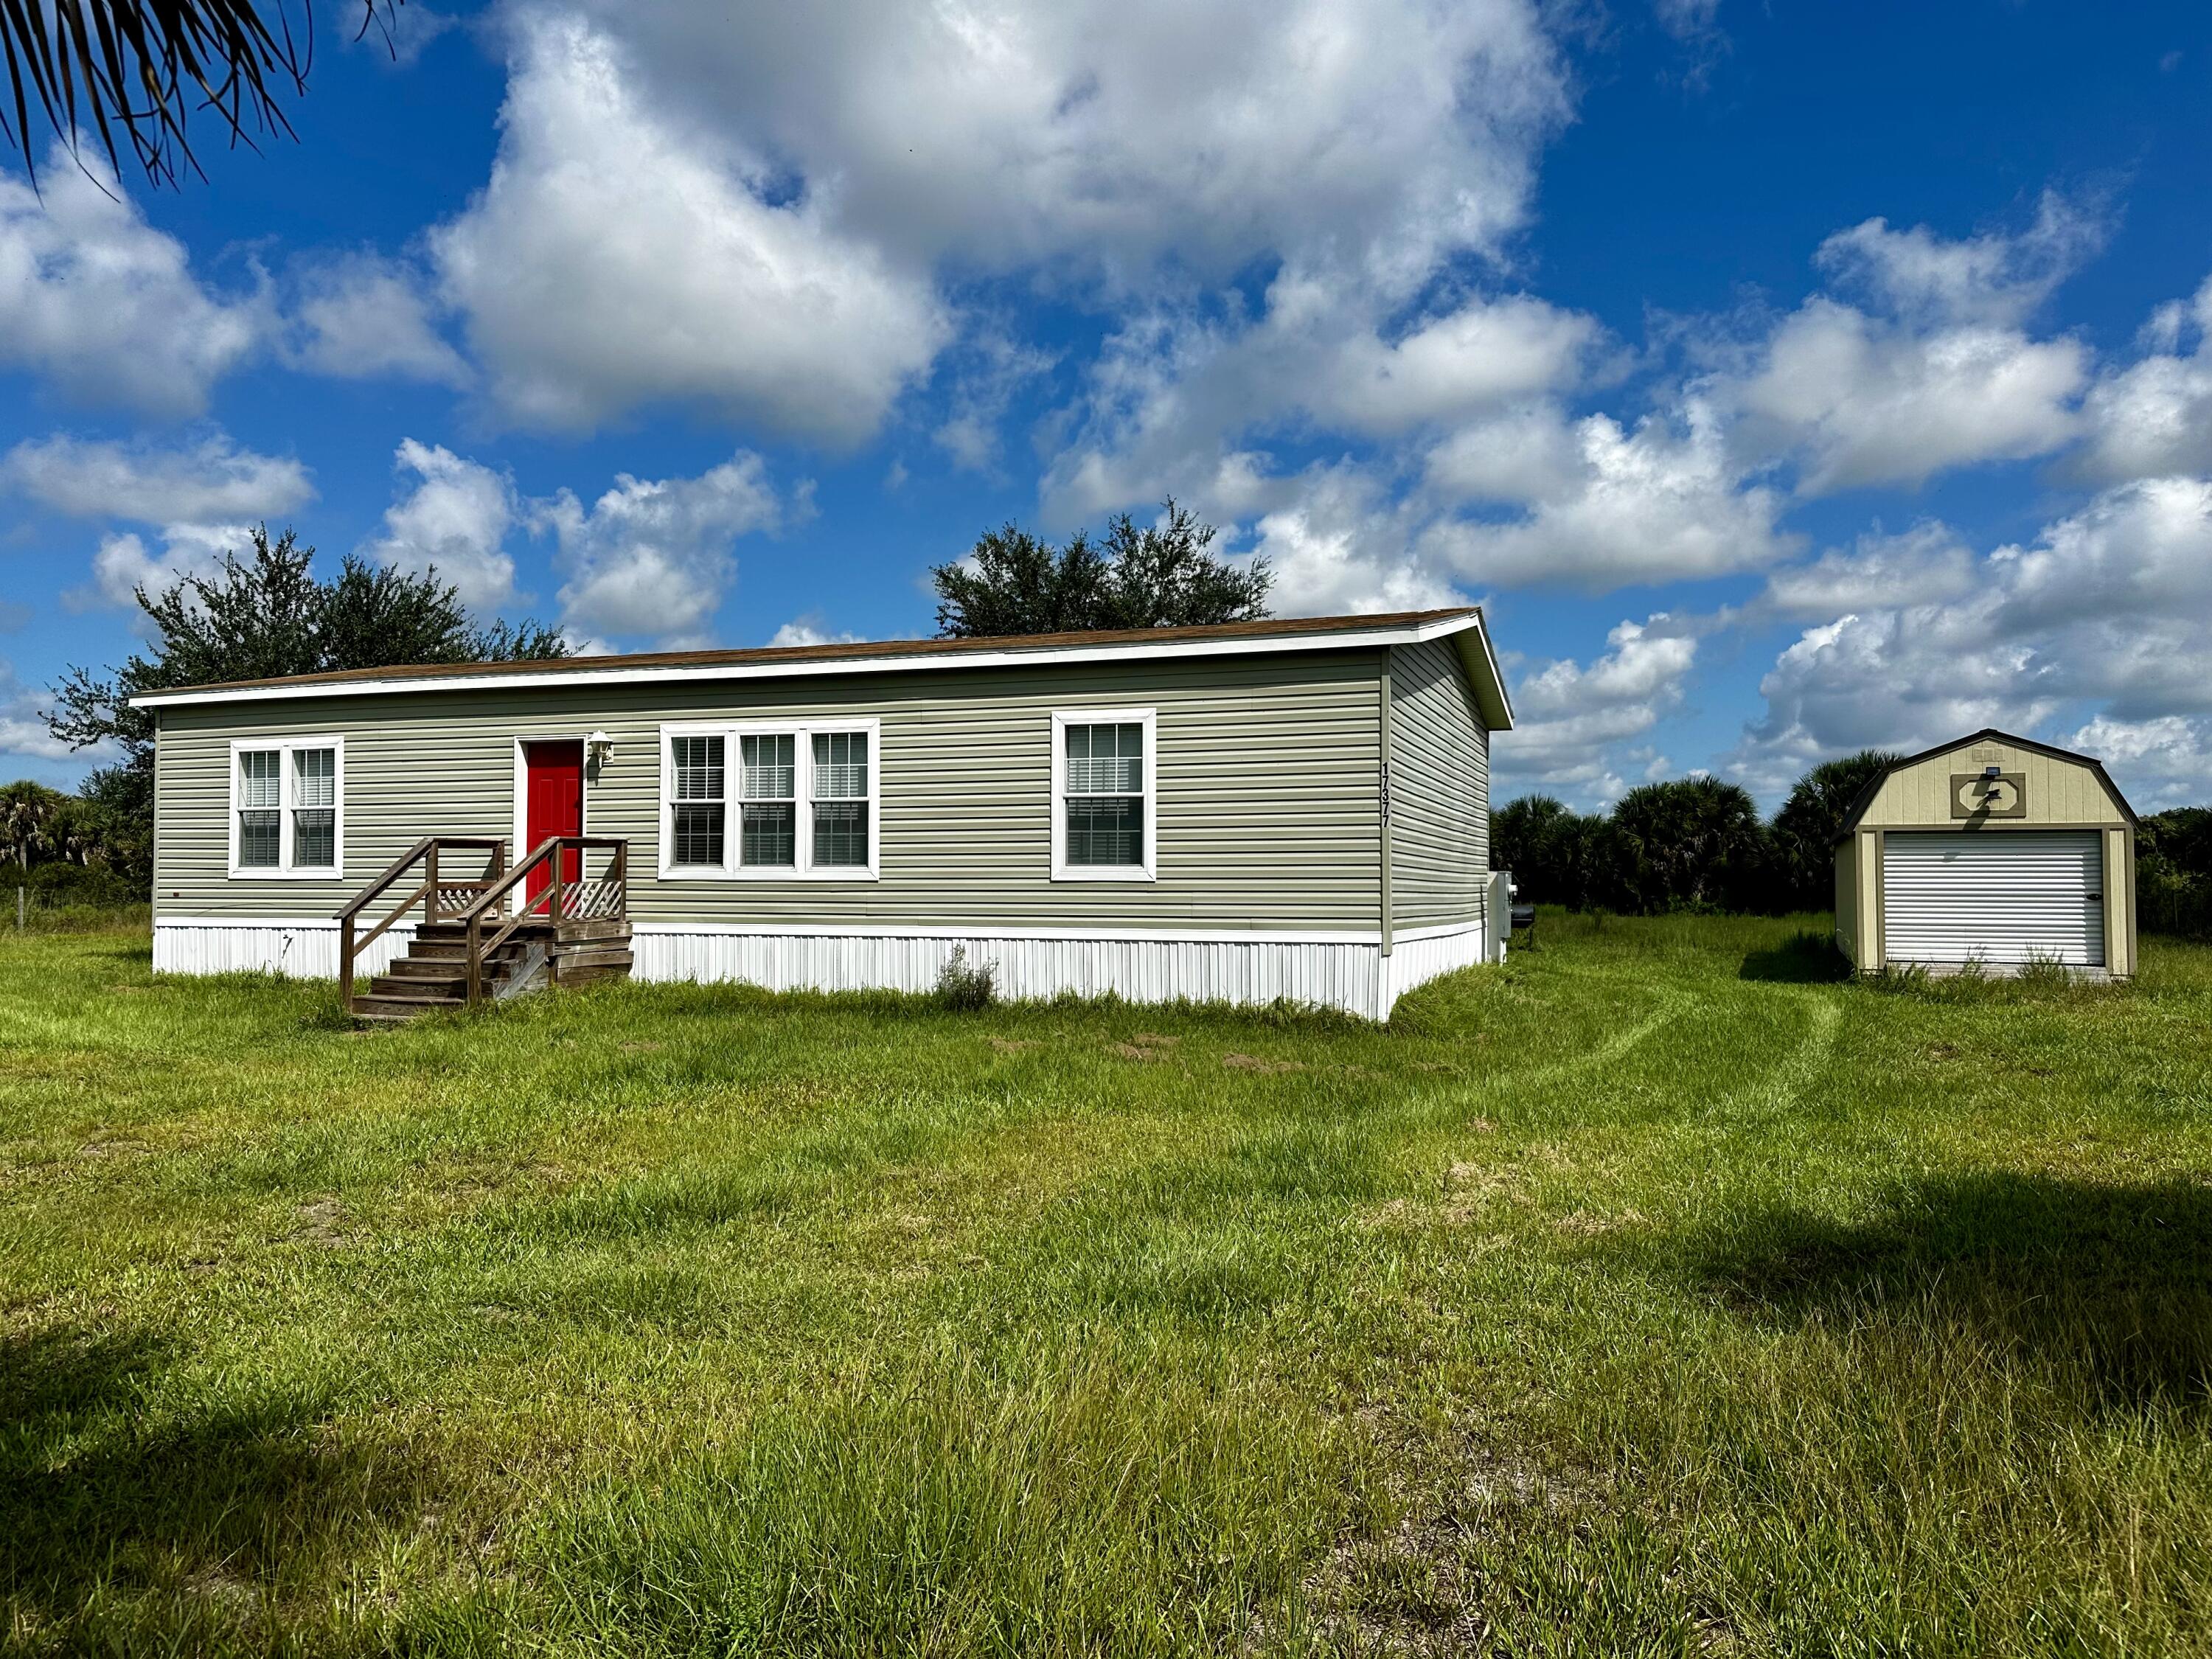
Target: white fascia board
{"x": 1480, "y": 660}
{"x": 1348, "y": 640}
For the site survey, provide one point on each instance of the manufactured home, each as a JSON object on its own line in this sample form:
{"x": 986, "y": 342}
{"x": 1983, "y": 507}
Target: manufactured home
{"x": 1292, "y": 809}
{"x": 1993, "y": 852}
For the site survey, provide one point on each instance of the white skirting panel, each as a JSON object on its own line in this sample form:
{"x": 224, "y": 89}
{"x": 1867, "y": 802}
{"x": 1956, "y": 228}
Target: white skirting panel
{"x": 1417, "y": 960}
{"x": 1140, "y": 969}
{"x": 300, "y": 950}
{"x": 1352, "y": 975}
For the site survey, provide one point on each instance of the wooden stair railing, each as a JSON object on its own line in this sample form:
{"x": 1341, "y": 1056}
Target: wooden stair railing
{"x": 561, "y": 899}
{"x": 433, "y": 894}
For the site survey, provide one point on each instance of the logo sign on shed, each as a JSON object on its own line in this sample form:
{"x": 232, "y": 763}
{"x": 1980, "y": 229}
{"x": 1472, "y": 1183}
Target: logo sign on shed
{"x": 1978, "y": 796}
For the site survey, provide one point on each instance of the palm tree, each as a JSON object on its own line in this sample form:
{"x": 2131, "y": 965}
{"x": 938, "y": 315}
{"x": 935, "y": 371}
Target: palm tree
{"x": 26, "y": 810}
{"x": 140, "y": 67}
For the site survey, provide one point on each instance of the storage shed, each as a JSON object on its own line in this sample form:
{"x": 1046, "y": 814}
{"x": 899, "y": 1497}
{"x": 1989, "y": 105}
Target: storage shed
{"x": 1994, "y": 850}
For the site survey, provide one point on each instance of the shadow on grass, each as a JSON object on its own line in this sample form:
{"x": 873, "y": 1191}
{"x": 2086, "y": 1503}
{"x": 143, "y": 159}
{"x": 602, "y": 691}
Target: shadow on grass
{"x": 121, "y": 1522}
{"x": 1805, "y": 958}
{"x": 2106, "y": 1286}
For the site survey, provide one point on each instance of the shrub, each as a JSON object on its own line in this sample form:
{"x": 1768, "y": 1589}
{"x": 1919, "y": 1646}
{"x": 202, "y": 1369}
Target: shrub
{"x": 56, "y": 884}
{"x": 964, "y": 986}
{"x": 1693, "y": 844}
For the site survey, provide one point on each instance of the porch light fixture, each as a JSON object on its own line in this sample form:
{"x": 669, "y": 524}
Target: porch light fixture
{"x": 600, "y": 747}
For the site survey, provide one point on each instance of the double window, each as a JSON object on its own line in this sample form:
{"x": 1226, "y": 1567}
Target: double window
{"x": 1103, "y": 797}
{"x": 770, "y": 801}
{"x": 286, "y": 807}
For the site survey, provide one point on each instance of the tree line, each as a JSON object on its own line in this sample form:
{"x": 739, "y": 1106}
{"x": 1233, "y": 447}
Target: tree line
{"x": 1691, "y": 844}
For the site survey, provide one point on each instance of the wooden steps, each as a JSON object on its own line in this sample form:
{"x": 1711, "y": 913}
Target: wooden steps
{"x": 559, "y": 917}
{"x": 434, "y": 975}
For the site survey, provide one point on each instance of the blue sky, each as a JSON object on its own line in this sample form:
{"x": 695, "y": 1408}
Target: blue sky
{"x": 1784, "y": 379}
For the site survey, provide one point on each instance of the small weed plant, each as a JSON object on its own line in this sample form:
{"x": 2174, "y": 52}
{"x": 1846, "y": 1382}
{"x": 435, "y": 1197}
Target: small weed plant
{"x": 965, "y": 986}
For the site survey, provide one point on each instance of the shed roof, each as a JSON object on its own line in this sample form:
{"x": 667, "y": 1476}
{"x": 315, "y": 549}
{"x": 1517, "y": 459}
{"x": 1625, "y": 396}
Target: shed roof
{"x": 1865, "y": 797}
{"x": 1464, "y": 625}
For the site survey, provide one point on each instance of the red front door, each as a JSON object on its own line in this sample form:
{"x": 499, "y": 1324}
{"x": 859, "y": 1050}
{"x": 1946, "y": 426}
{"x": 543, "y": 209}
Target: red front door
{"x": 553, "y": 803}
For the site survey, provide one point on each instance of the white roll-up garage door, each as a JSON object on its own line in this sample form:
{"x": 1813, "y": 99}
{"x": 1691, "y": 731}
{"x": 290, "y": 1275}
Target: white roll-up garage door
{"x": 1996, "y": 896}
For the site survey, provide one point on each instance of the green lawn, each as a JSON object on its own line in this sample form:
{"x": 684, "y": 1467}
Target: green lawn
{"x": 1654, "y": 1294}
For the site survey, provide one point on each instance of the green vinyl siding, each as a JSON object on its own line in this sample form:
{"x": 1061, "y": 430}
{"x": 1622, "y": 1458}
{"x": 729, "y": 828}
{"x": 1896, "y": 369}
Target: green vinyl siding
{"x": 1267, "y": 766}
{"x": 1439, "y": 790}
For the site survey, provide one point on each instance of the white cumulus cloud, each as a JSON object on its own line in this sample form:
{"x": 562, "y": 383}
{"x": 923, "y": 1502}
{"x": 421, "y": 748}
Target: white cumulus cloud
{"x": 1174, "y": 398}
{"x": 1994, "y": 278}
{"x": 1573, "y": 720}
{"x": 453, "y": 520}
{"x": 812, "y": 629}
{"x": 620, "y": 257}
{"x": 652, "y": 558}
{"x": 2153, "y": 417}
{"x": 212, "y": 480}
{"x": 23, "y": 729}
{"x": 123, "y": 564}
{"x": 1859, "y": 400}
{"x": 1336, "y": 548}
{"x": 1928, "y": 564}
{"x": 363, "y": 317}
{"x": 1116, "y": 141}
{"x": 1610, "y": 506}
{"x": 105, "y": 307}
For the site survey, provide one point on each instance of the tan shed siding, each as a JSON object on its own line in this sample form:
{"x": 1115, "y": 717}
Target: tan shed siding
{"x": 2120, "y": 901}
{"x": 1439, "y": 790}
{"x": 1847, "y": 897}
{"x": 2059, "y": 791}
{"x": 1267, "y": 816}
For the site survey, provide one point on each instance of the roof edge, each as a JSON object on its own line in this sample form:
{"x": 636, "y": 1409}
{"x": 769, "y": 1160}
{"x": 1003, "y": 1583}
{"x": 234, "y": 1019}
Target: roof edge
{"x": 1483, "y": 673}
{"x": 1316, "y": 633}
{"x": 1864, "y": 798}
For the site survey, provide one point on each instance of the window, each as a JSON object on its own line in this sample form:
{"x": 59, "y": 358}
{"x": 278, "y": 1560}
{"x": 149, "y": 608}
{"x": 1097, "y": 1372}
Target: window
{"x": 771, "y": 805}
{"x": 314, "y": 808}
{"x": 286, "y": 808}
{"x": 699, "y": 813}
{"x": 1104, "y": 796}
{"x": 260, "y": 803}
{"x": 804, "y": 798}
{"x": 840, "y": 799}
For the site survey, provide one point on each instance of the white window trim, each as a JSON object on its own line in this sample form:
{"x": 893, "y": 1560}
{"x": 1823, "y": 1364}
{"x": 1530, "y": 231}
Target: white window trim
{"x": 1062, "y": 869}
{"x": 802, "y": 733}
{"x": 287, "y": 772}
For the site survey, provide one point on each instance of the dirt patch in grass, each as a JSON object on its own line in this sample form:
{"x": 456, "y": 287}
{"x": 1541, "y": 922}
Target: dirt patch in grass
{"x": 326, "y": 1221}
{"x": 1265, "y": 1068}
{"x": 1413, "y": 1580}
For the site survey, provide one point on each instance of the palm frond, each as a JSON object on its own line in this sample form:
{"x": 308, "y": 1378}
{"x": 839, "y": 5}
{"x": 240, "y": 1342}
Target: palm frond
{"x": 131, "y": 73}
